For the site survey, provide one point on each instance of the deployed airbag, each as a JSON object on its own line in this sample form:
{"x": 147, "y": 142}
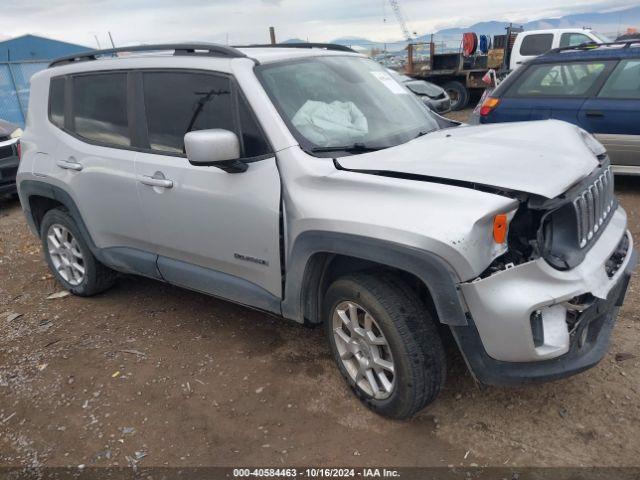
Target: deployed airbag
{"x": 331, "y": 124}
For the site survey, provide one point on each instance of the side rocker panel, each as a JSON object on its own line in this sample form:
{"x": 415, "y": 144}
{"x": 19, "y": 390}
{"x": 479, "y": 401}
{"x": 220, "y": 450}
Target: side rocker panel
{"x": 138, "y": 262}
{"x": 123, "y": 259}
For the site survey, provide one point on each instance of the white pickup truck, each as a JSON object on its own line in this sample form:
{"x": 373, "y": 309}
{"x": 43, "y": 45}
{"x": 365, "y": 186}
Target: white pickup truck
{"x": 532, "y": 43}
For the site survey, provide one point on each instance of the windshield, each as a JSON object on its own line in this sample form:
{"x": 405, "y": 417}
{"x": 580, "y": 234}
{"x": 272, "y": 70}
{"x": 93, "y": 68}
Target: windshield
{"x": 420, "y": 87}
{"x": 399, "y": 76}
{"x": 351, "y": 102}
{"x": 602, "y": 37}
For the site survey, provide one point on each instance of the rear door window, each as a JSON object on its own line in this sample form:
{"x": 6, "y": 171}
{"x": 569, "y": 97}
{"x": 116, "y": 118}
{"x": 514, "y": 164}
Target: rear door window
{"x": 558, "y": 80}
{"x": 536, "y": 44}
{"x": 624, "y": 81}
{"x": 100, "y": 108}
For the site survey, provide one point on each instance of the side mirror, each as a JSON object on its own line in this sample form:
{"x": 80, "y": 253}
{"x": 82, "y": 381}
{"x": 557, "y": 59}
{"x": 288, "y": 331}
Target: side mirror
{"x": 215, "y": 147}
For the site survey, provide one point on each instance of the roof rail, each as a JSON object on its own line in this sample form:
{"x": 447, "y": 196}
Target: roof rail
{"x": 593, "y": 45}
{"x": 211, "y": 49}
{"x": 324, "y": 46}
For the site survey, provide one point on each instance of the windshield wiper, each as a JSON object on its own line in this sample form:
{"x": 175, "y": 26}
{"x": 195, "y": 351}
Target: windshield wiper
{"x": 355, "y": 148}
{"x": 422, "y": 133}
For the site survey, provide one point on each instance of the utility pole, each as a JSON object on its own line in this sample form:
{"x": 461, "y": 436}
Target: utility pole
{"x": 409, "y": 68}
{"x": 432, "y": 52}
{"x": 272, "y": 35}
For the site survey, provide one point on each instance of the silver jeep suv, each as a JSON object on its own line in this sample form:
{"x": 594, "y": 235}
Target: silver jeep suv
{"x": 308, "y": 183}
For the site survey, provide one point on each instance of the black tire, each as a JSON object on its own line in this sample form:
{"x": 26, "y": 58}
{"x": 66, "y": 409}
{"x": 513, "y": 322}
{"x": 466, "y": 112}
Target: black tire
{"x": 458, "y": 93}
{"x": 97, "y": 277}
{"x": 411, "y": 333}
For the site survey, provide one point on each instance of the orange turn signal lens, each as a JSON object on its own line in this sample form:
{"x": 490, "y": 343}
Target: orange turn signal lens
{"x": 500, "y": 224}
{"x": 488, "y": 105}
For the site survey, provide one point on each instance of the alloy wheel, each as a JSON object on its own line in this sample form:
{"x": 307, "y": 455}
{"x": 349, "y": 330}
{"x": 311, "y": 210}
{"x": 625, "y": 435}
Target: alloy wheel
{"x": 364, "y": 350}
{"x": 66, "y": 256}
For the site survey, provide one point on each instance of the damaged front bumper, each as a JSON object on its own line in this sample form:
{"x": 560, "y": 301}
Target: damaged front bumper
{"x": 533, "y": 322}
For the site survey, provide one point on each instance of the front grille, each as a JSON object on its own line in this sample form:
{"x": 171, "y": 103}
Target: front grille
{"x": 593, "y": 205}
{"x": 573, "y": 222}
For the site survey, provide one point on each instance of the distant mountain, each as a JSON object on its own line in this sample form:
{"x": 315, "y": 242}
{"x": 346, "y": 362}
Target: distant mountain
{"x": 294, "y": 40}
{"x": 493, "y": 27}
{"x": 608, "y": 23}
{"x": 354, "y": 41}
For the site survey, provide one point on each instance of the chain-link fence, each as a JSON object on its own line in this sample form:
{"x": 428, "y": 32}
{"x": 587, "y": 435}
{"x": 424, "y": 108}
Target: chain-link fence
{"x": 14, "y": 89}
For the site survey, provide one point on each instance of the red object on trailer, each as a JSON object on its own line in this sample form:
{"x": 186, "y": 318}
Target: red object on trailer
{"x": 469, "y": 43}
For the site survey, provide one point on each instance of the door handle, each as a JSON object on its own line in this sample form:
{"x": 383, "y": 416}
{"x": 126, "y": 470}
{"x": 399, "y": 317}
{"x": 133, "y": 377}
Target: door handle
{"x": 594, "y": 113}
{"x": 155, "y": 182}
{"x": 70, "y": 164}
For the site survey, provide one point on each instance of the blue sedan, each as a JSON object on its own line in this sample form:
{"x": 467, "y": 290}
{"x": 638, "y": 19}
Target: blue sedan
{"x": 596, "y": 87}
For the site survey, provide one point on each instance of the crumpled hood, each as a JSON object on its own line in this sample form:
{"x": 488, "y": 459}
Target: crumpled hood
{"x": 543, "y": 158}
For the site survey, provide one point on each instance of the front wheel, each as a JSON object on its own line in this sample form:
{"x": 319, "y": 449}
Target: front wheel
{"x": 385, "y": 343}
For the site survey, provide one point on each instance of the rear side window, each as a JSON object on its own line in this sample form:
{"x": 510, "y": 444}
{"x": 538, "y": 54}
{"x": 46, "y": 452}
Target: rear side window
{"x": 573, "y": 39}
{"x": 180, "y": 102}
{"x": 100, "y": 108}
{"x": 624, "y": 81}
{"x": 536, "y": 44}
{"x": 558, "y": 80}
{"x": 56, "y": 102}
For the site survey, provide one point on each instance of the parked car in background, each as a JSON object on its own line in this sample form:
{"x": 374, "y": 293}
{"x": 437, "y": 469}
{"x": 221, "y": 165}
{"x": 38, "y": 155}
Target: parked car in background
{"x": 631, "y": 35}
{"x": 433, "y": 96}
{"x": 461, "y": 73}
{"x": 9, "y": 136}
{"x": 595, "y": 87}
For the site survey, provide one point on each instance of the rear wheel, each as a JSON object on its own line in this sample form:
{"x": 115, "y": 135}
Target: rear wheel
{"x": 458, "y": 94}
{"x": 70, "y": 258}
{"x": 385, "y": 343}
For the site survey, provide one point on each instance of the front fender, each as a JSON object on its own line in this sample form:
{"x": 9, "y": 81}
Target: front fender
{"x": 437, "y": 275}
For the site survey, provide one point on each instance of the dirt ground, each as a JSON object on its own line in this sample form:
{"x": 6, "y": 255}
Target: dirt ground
{"x": 154, "y": 375}
{"x": 461, "y": 116}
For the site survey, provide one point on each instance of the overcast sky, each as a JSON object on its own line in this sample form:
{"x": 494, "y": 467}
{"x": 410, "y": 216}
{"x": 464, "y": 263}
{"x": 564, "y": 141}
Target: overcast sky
{"x": 246, "y": 21}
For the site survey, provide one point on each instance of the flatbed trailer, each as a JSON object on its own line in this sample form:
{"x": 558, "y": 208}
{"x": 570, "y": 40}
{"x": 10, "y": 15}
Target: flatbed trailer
{"x": 459, "y": 75}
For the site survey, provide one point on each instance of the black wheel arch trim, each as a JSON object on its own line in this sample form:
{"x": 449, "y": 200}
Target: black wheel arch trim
{"x": 27, "y": 189}
{"x": 31, "y": 188}
{"x": 438, "y": 277}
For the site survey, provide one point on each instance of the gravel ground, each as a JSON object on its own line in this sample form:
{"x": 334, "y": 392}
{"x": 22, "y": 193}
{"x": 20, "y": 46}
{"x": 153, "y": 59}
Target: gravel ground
{"x": 154, "y": 375}
{"x": 461, "y": 115}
